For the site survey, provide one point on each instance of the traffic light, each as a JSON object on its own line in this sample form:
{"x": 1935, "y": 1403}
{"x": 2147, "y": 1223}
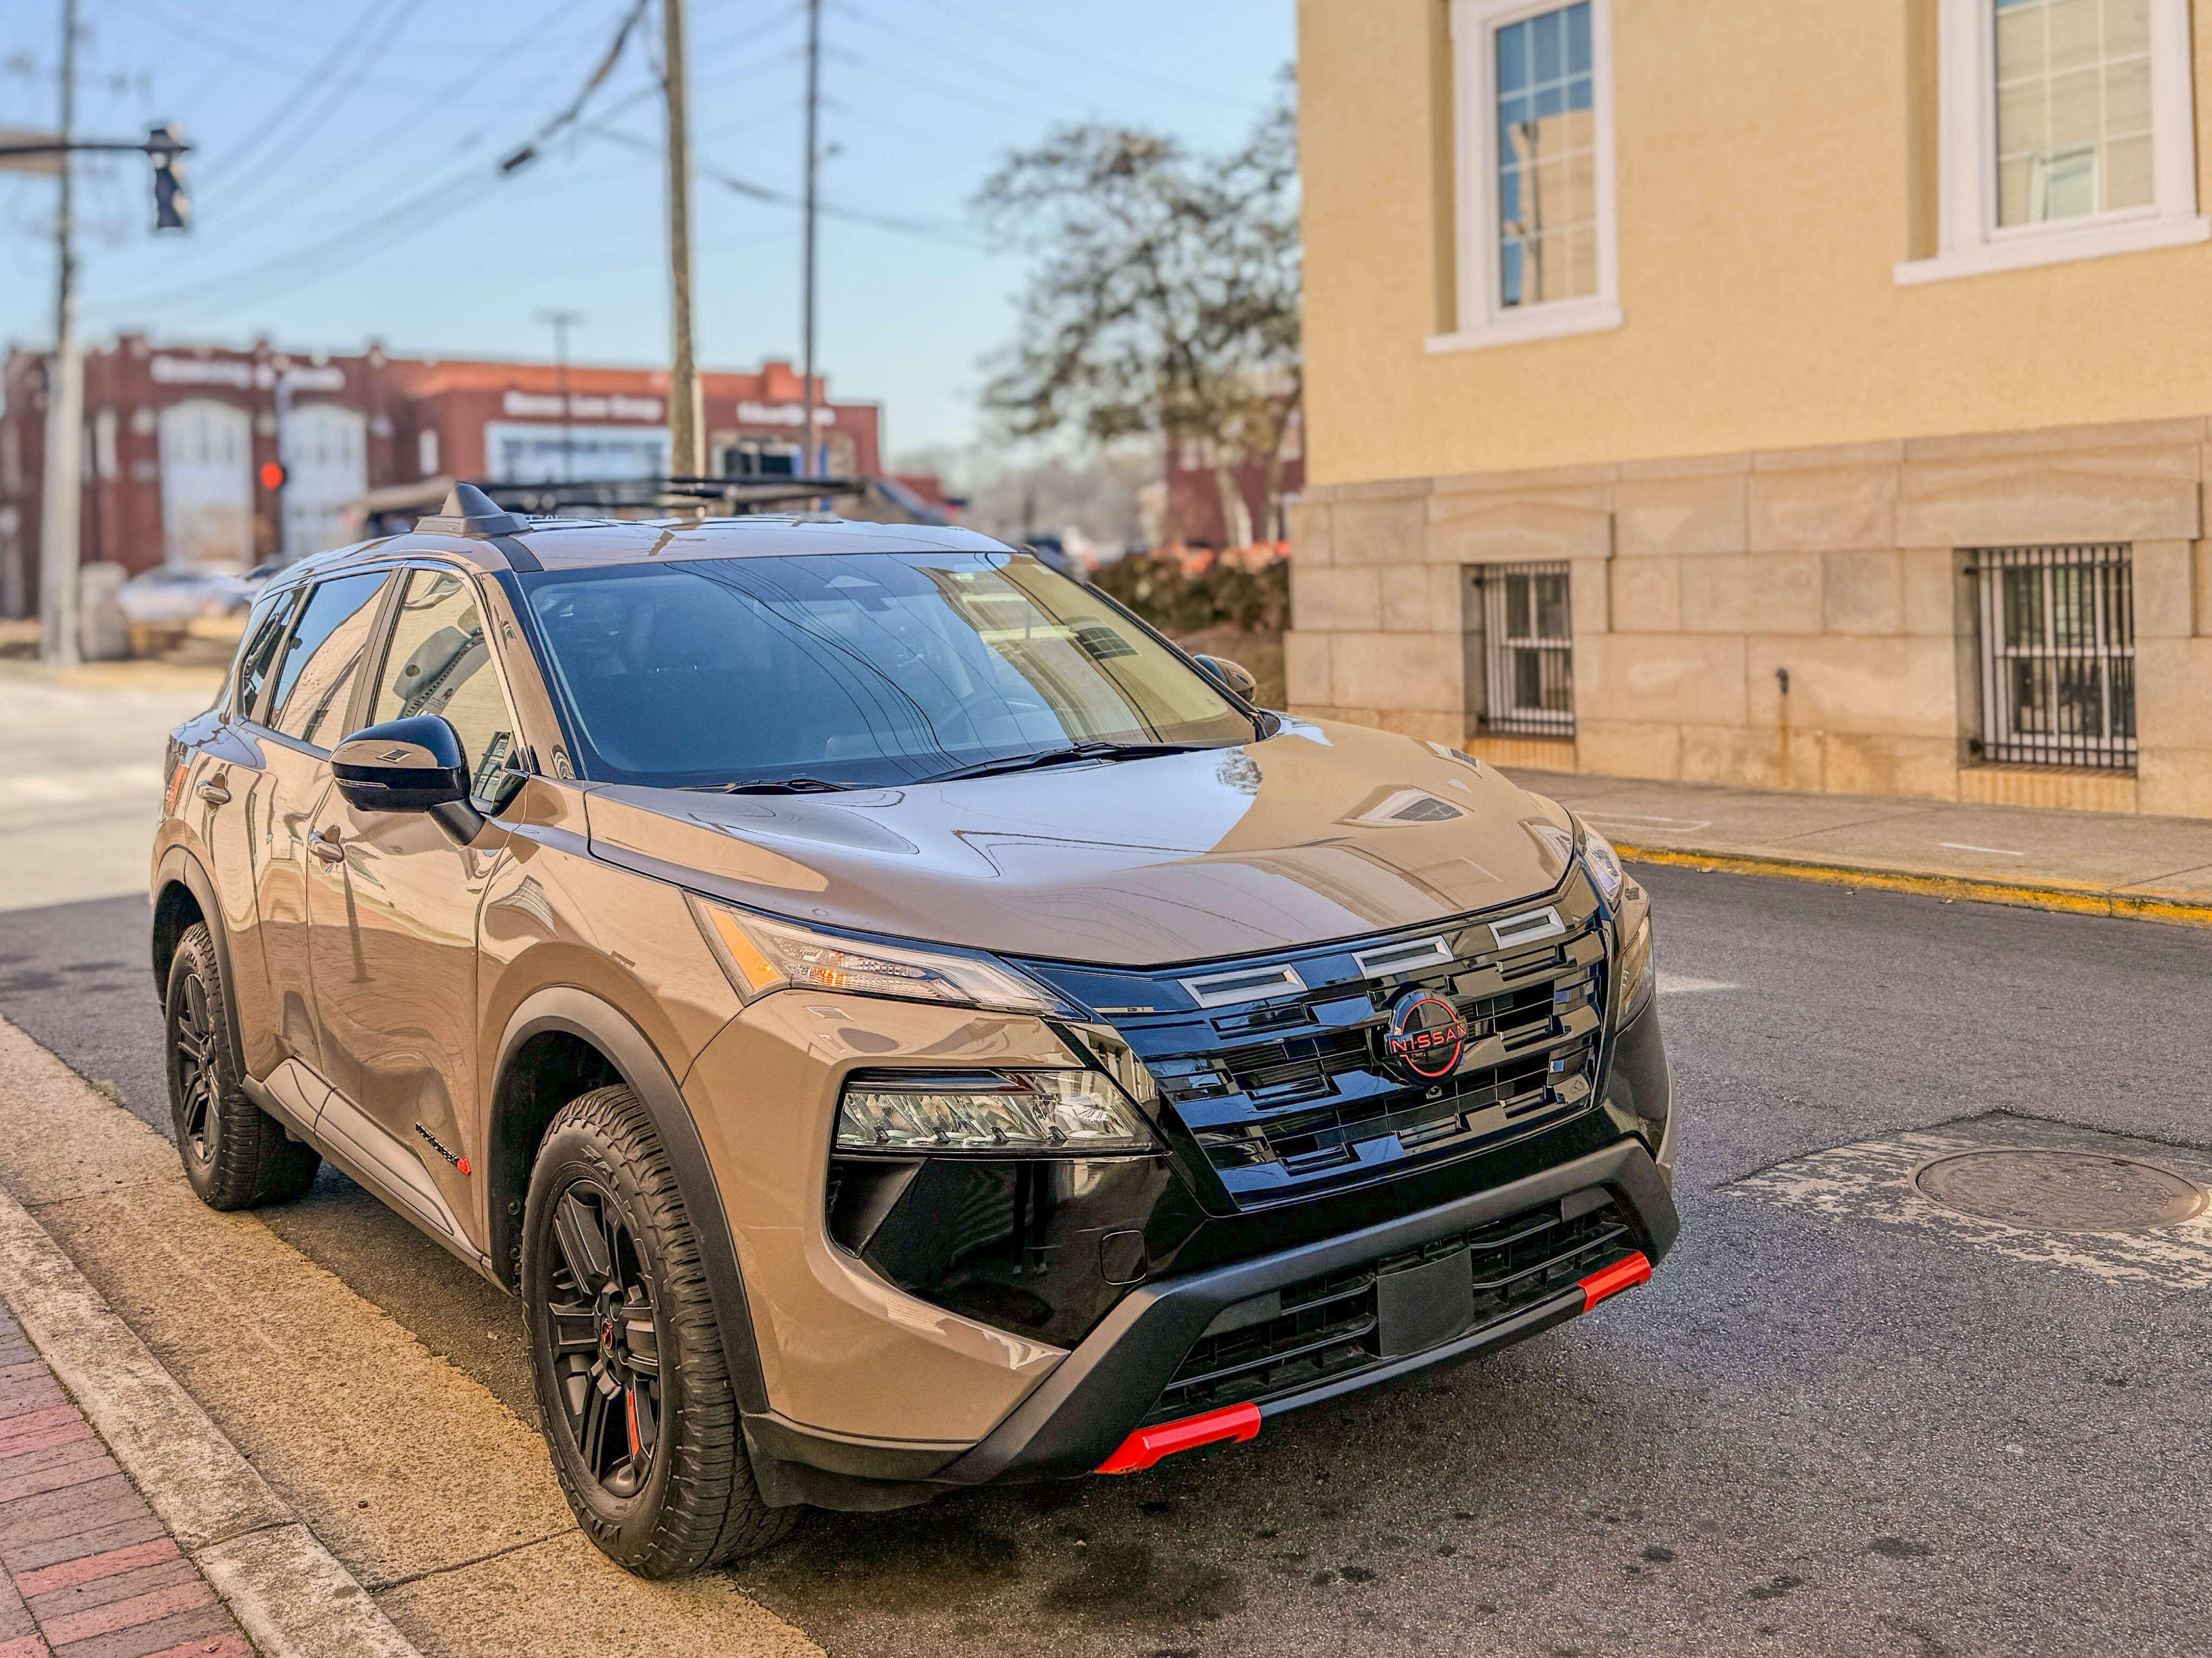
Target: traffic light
{"x": 272, "y": 475}
{"x": 173, "y": 208}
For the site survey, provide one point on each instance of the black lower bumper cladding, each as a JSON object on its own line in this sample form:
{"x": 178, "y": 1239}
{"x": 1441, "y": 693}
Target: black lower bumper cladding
{"x": 1439, "y": 1285}
{"x": 1078, "y": 1418}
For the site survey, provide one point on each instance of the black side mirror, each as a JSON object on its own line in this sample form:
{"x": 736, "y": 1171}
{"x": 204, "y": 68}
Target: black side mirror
{"x": 1233, "y": 675}
{"x": 409, "y": 765}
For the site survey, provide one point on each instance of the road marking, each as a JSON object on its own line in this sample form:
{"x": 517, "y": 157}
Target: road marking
{"x": 1682, "y": 984}
{"x": 1961, "y": 846}
{"x": 1872, "y": 1180}
{"x": 65, "y": 787}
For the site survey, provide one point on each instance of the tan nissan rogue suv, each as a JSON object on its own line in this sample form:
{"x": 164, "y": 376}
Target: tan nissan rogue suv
{"x": 895, "y": 1021}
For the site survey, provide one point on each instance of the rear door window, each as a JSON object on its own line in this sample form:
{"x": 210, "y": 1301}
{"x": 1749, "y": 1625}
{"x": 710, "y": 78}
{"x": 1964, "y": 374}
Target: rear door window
{"x": 316, "y": 680}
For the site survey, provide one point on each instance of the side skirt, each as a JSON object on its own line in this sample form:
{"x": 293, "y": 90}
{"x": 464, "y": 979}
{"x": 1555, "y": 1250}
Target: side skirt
{"x": 313, "y": 1111}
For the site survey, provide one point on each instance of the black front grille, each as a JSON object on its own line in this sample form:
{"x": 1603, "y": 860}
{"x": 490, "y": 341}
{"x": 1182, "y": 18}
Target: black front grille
{"x": 1291, "y": 1097}
{"x": 1292, "y": 1339}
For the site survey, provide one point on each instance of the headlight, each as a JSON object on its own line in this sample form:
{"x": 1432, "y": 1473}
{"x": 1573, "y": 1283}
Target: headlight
{"x": 1003, "y": 1111}
{"x": 761, "y": 955}
{"x": 1603, "y": 864}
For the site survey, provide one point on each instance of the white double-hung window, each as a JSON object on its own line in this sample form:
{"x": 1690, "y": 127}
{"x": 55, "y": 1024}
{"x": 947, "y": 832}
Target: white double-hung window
{"x": 2066, "y": 132}
{"x": 1533, "y": 151}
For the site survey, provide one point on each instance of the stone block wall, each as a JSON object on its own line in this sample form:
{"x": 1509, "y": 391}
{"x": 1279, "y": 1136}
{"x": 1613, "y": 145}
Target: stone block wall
{"x": 1701, "y": 586}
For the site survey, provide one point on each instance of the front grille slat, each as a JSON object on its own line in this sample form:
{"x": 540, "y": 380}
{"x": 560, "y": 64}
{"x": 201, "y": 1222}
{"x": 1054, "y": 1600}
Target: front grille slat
{"x": 1290, "y": 1097}
{"x": 1330, "y": 1326}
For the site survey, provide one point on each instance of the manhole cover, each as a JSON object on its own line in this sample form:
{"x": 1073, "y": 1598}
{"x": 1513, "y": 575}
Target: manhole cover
{"x": 2051, "y": 1191}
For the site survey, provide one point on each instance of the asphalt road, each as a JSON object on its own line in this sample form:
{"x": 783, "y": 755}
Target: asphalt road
{"x": 1813, "y": 1432}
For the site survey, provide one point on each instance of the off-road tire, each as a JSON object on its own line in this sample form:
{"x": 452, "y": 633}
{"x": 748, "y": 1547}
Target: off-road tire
{"x": 235, "y": 1154}
{"x": 696, "y": 1503}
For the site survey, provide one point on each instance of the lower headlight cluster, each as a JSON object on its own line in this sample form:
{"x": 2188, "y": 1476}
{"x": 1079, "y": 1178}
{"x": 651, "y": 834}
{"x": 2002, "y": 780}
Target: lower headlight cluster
{"x": 1000, "y": 1111}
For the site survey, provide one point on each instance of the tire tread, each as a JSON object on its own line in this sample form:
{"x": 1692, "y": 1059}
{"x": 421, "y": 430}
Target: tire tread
{"x": 255, "y": 1161}
{"x": 712, "y": 1510}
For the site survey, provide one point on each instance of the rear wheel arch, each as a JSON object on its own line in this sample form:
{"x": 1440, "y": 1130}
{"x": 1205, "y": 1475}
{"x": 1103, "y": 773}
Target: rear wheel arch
{"x": 183, "y": 895}
{"x": 563, "y": 1042}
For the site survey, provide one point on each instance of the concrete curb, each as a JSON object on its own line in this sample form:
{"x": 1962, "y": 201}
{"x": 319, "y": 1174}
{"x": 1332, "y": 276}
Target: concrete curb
{"x": 2075, "y": 899}
{"x": 290, "y": 1596}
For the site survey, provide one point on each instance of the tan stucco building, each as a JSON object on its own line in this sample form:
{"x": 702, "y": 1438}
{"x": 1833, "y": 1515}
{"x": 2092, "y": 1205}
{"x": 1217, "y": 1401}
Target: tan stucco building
{"x": 1811, "y": 395}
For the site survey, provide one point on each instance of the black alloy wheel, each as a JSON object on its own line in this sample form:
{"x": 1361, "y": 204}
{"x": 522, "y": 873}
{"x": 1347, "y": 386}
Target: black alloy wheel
{"x": 191, "y": 1055}
{"x": 626, "y": 1357}
{"x": 236, "y": 1155}
{"x": 606, "y": 1342}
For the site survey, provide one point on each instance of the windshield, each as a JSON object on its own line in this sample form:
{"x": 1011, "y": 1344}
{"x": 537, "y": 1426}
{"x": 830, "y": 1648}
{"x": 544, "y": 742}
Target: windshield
{"x": 859, "y": 669}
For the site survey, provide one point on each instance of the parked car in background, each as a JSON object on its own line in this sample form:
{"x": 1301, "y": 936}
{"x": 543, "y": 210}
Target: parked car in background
{"x": 183, "y": 593}
{"x": 163, "y": 605}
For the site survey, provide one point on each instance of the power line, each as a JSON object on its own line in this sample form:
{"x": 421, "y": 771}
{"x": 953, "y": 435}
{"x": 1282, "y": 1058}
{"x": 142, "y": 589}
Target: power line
{"x": 376, "y": 149}
{"x": 528, "y": 152}
{"x": 440, "y": 201}
{"x": 437, "y": 202}
{"x": 199, "y": 35}
{"x": 324, "y": 109}
{"x": 309, "y": 84}
{"x": 760, "y": 192}
{"x": 1059, "y": 53}
{"x": 905, "y": 75}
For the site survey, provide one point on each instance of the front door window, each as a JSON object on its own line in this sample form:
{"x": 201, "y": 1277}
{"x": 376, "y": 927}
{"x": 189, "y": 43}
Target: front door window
{"x": 439, "y": 663}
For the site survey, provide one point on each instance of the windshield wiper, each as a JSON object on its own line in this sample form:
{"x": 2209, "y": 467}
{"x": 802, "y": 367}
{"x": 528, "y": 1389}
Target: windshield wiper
{"x": 775, "y": 786}
{"x": 1068, "y": 756}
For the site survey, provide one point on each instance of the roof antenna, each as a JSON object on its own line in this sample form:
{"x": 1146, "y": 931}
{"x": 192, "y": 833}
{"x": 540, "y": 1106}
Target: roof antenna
{"x": 470, "y": 511}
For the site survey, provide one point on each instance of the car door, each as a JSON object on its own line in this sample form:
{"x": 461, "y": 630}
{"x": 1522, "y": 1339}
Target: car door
{"x": 308, "y": 710}
{"x": 392, "y": 922}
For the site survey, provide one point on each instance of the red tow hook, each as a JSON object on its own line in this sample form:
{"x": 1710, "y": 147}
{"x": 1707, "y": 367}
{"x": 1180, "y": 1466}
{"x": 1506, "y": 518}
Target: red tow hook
{"x": 1611, "y": 1280}
{"x": 1148, "y": 1445}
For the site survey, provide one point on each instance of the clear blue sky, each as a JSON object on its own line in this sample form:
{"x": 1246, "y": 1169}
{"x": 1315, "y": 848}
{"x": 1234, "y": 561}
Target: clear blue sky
{"x": 344, "y": 184}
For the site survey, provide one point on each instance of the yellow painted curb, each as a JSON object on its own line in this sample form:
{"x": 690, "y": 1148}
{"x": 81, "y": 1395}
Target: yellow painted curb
{"x": 2076, "y": 899}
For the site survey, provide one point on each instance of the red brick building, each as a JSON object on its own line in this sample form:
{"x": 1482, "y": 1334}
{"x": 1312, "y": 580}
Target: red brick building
{"x": 177, "y": 438}
{"x": 1193, "y": 512}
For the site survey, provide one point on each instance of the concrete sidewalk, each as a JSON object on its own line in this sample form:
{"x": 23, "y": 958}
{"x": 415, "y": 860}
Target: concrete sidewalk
{"x": 2158, "y": 868}
{"x": 335, "y": 1461}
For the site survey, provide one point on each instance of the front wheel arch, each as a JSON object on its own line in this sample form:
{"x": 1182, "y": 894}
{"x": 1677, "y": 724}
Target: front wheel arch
{"x": 581, "y": 1032}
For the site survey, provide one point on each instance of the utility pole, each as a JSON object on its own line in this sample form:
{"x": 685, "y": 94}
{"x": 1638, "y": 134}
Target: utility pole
{"x": 687, "y": 449}
{"x": 812, "y": 467}
{"x": 63, "y": 503}
{"x": 287, "y": 548}
{"x": 561, "y": 321}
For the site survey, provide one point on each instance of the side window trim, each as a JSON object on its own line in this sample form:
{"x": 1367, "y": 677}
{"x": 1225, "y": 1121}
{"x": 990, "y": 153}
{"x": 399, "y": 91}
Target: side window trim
{"x": 253, "y": 716}
{"x": 353, "y": 707}
{"x": 361, "y": 695}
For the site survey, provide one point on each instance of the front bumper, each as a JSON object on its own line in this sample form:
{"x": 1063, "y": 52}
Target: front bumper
{"x": 1074, "y": 1420}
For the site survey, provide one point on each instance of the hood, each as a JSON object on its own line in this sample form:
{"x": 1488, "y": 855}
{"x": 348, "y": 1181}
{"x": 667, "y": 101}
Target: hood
{"x": 1317, "y": 833}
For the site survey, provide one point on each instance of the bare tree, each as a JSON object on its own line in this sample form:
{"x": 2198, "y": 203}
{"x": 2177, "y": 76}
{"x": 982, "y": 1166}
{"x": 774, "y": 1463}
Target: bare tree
{"x": 1165, "y": 300}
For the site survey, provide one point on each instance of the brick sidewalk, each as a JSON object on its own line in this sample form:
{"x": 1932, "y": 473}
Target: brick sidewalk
{"x": 86, "y": 1570}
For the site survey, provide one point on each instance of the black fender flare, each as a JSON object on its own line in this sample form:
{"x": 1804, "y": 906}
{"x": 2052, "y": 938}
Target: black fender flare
{"x": 614, "y": 1033}
{"x": 179, "y": 866}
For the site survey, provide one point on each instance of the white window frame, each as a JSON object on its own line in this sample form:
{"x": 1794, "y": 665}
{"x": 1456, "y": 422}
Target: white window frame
{"x": 1971, "y": 242}
{"x": 1482, "y": 321}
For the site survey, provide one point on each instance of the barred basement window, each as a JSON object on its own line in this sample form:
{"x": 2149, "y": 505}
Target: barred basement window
{"x": 1528, "y": 649}
{"x": 2058, "y": 655}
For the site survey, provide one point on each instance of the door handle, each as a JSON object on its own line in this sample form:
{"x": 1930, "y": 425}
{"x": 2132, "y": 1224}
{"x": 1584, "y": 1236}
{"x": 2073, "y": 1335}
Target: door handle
{"x": 214, "y": 793}
{"x": 329, "y": 851}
